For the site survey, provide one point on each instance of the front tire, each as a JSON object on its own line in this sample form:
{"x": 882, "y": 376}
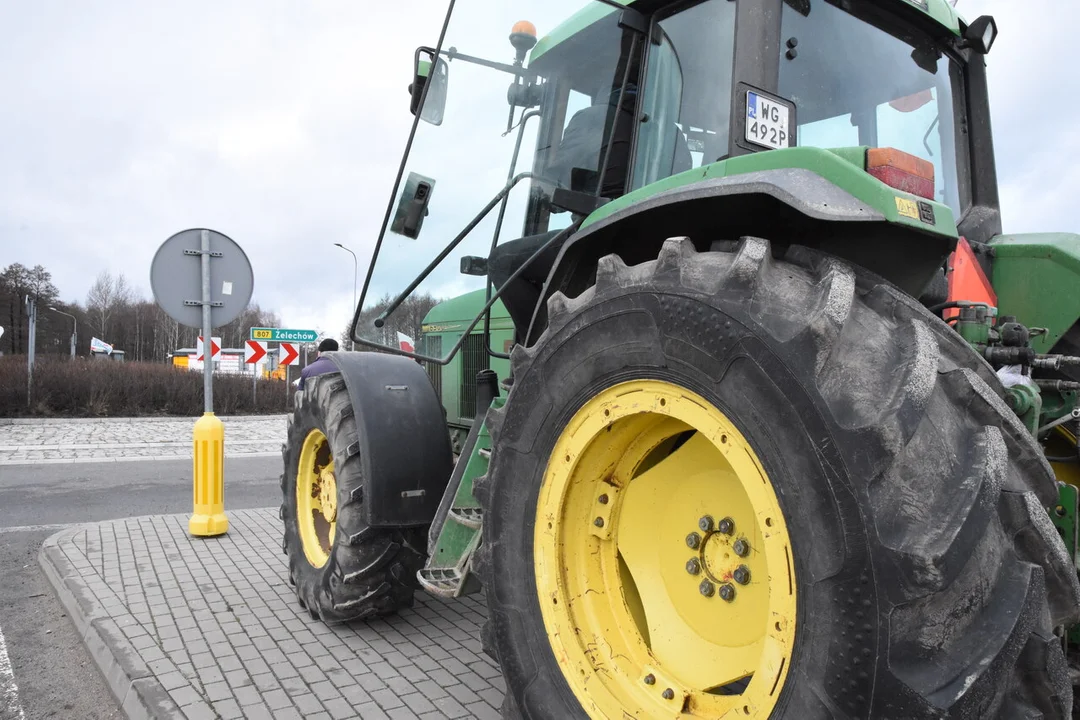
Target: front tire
{"x": 342, "y": 569}
{"x": 927, "y": 578}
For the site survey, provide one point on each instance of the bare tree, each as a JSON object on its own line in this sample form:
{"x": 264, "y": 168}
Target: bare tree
{"x": 107, "y": 295}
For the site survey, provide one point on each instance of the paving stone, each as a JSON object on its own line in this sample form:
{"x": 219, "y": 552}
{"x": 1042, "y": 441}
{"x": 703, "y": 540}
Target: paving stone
{"x": 227, "y": 709}
{"x": 218, "y": 625}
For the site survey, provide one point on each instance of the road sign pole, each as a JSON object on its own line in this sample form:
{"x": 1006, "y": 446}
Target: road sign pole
{"x": 208, "y": 336}
{"x": 208, "y": 515}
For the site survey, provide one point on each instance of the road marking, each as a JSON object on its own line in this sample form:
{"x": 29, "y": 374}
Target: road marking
{"x": 9, "y": 691}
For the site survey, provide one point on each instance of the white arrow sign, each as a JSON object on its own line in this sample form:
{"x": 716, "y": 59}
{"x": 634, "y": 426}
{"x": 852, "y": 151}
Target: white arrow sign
{"x": 254, "y": 351}
{"x": 215, "y": 348}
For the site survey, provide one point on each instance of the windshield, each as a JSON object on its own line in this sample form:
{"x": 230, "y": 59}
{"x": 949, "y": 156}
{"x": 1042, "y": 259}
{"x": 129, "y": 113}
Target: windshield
{"x": 567, "y": 103}
{"x": 855, "y": 84}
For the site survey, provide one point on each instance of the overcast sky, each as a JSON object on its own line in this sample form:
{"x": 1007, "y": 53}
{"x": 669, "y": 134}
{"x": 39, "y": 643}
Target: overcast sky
{"x": 281, "y": 123}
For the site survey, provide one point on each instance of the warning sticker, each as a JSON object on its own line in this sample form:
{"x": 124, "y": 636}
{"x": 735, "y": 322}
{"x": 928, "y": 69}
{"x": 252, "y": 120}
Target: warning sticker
{"x": 907, "y": 208}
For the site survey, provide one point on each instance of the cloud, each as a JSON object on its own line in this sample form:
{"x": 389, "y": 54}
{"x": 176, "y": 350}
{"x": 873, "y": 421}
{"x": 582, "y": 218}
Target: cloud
{"x": 281, "y": 123}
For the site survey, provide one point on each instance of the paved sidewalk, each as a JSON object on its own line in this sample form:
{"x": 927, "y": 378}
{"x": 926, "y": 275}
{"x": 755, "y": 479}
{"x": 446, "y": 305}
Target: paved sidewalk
{"x": 209, "y": 628}
{"x": 112, "y": 439}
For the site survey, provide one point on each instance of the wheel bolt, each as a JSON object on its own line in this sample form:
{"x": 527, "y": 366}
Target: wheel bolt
{"x": 705, "y": 523}
{"x": 707, "y": 588}
{"x": 727, "y": 592}
{"x": 741, "y": 548}
{"x": 726, "y": 526}
{"x": 693, "y": 540}
{"x": 693, "y": 566}
{"x": 603, "y": 499}
{"x": 598, "y": 522}
{"x": 650, "y": 679}
{"x": 741, "y": 574}
{"x": 669, "y": 694}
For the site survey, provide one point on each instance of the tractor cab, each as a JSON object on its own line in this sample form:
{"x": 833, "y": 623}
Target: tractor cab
{"x": 585, "y": 103}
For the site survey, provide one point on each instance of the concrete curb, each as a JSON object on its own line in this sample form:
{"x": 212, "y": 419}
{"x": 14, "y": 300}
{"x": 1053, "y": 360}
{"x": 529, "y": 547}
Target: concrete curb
{"x": 136, "y": 689}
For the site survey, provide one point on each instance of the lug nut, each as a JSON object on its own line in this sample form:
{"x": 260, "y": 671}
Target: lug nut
{"x": 727, "y": 592}
{"x": 741, "y": 548}
{"x": 693, "y": 540}
{"x": 603, "y": 499}
{"x": 707, "y": 588}
{"x": 705, "y": 523}
{"x": 598, "y": 522}
{"x": 669, "y": 694}
{"x": 741, "y": 574}
{"x": 726, "y": 526}
{"x": 693, "y": 566}
{"x": 650, "y": 679}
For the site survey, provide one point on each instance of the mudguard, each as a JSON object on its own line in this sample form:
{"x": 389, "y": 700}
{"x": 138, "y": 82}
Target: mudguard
{"x": 790, "y": 205}
{"x": 405, "y": 449}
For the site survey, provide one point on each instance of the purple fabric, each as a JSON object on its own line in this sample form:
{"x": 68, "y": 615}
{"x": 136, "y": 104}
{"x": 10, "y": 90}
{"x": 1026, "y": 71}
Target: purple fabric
{"x": 320, "y": 367}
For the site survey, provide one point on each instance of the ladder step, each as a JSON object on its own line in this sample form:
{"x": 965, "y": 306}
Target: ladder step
{"x": 484, "y": 453}
{"x": 444, "y": 582}
{"x": 468, "y": 516}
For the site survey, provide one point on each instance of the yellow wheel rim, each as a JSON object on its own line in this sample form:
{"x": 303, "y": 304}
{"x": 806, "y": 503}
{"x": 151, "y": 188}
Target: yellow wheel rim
{"x": 316, "y": 498}
{"x": 663, "y": 562}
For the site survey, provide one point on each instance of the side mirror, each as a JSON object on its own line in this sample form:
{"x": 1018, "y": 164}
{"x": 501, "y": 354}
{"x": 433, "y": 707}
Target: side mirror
{"x": 427, "y": 70}
{"x": 412, "y": 206}
{"x": 980, "y": 34}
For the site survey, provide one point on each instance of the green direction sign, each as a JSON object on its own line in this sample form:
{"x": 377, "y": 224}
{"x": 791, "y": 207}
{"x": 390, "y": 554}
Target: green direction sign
{"x": 284, "y": 335}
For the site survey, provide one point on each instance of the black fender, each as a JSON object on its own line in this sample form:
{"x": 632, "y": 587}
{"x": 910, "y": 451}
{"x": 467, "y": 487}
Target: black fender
{"x": 785, "y": 206}
{"x": 403, "y": 442}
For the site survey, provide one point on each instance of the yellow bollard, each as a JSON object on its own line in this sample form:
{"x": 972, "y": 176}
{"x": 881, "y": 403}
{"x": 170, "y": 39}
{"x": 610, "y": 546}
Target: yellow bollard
{"x": 208, "y": 518}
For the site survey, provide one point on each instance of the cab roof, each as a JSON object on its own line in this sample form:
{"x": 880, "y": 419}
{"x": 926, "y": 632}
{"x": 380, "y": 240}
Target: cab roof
{"x": 940, "y": 10}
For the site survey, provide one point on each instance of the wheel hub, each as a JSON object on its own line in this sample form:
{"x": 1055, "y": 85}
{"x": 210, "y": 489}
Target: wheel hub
{"x": 328, "y": 494}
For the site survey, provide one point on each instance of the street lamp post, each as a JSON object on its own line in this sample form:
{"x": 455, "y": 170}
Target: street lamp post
{"x": 352, "y": 343}
{"x": 74, "y": 328}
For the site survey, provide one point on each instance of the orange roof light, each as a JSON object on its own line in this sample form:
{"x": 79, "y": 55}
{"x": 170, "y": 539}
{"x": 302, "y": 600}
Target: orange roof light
{"x": 523, "y": 27}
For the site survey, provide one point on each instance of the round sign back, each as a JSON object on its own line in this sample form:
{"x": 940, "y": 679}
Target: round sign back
{"x": 176, "y": 278}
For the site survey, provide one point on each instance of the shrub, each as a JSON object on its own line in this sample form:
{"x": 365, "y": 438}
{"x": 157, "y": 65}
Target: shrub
{"x": 96, "y": 388}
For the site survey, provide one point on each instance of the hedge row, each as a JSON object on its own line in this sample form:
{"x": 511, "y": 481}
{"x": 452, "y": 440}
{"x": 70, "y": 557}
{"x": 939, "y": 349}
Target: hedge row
{"x": 95, "y": 388}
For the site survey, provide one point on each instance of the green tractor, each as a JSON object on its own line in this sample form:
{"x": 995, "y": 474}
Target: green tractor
{"x": 782, "y": 425}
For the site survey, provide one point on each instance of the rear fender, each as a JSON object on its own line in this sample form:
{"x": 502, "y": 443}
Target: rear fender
{"x": 792, "y": 205}
{"x": 405, "y": 449}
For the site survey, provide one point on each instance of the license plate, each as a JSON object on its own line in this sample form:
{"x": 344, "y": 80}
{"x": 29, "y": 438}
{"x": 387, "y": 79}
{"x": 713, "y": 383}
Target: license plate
{"x": 767, "y": 122}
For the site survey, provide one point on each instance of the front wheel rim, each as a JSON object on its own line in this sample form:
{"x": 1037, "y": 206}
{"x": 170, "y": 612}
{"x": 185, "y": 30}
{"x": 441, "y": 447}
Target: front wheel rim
{"x": 316, "y": 498}
{"x": 663, "y": 561}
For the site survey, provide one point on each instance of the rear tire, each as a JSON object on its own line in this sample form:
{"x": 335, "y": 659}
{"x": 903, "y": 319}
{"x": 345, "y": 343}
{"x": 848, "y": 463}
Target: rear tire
{"x": 368, "y": 571}
{"x": 929, "y": 577}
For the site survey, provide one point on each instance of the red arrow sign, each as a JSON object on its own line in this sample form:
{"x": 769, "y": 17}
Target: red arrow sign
{"x": 288, "y": 354}
{"x": 254, "y": 352}
{"x": 215, "y": 348}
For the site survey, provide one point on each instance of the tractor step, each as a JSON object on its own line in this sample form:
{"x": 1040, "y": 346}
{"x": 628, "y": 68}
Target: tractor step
{"x": 470, "y": 517}
{"x": 448, "y": 569}
{"x": 444, "y": 582}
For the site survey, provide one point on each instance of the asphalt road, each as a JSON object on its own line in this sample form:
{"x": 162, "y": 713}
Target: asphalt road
{"x": 55, "y": 676}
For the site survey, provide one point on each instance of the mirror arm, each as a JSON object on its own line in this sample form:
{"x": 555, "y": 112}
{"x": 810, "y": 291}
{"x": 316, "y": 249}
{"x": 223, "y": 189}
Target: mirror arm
{"x": 381, "y": 320}
{"x": 518, "y": 71}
